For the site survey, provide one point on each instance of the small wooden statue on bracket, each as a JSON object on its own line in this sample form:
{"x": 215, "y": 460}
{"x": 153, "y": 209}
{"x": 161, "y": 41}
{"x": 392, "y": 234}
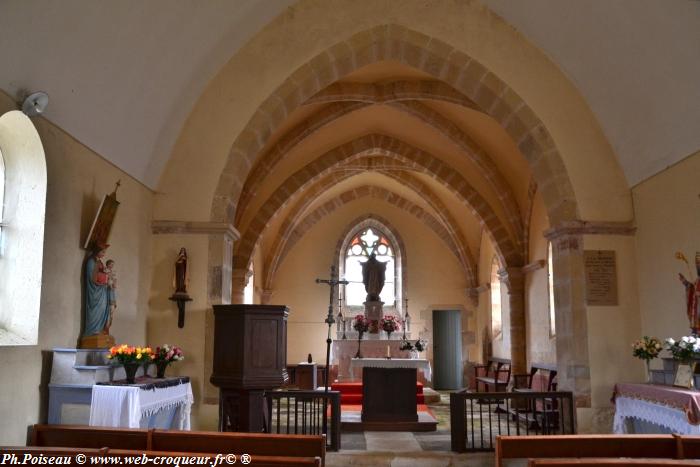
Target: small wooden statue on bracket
{"x": 180, "y": 283}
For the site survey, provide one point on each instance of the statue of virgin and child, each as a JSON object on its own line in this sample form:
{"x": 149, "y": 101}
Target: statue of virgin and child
{"x": 100, "y": 293}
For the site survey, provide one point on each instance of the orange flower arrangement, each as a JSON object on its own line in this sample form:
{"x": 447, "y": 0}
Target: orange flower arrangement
{"x": 125, "y": 353}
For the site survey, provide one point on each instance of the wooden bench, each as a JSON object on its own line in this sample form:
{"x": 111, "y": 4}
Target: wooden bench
{"x": 603, "y": 462}
{"x": 255, "y": 444}
{"x": 597, "y": 446}
{"x": 496, "y": 374}
{"x": 256, "y": 460}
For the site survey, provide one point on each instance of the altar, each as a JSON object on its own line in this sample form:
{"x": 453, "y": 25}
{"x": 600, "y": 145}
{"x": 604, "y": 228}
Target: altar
{"x": 651, "y": 408}
{"x": 389, "y": 388}
{"x": 150, "y": 403}
{"x": 344, "y": 350}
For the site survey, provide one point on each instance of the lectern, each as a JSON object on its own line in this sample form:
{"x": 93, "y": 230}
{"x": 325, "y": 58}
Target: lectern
{"x": 250, "y": 356}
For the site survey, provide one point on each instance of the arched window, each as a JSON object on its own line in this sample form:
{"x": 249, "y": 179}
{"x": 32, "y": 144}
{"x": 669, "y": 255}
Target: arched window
{"x": 496, "y": 317}
{"x": 2, "y": 196}
{"x": 248, "y": 296}
{"x": 365, "y": 243}
{"x": 23, "y": 195}
{"x": 550, "y": 289}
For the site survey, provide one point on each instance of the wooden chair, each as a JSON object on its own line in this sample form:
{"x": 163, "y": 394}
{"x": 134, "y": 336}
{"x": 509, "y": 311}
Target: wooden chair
{"x": 496, "y": 374}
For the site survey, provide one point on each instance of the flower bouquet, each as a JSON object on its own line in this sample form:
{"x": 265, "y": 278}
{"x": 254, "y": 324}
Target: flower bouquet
{"x": 131, "y": 358}
{"x": 164, "y": 356}
{"x": 419, "y": 346}
{"x": 685, "y": 349}
{"x": 389, "y": 324}
{"x": 647, "y": 349}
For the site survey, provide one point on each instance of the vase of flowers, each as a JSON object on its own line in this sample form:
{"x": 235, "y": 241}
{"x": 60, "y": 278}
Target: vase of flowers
{"x": 361, "y": 325}
{"x": 164, "y": 356}
{"x": 131, "y": 357}
{"x": 413, "y": 348}
{"x": 389, "y": 324}
{"x": 647, "y": 349}
{"x": 684, "y": 351}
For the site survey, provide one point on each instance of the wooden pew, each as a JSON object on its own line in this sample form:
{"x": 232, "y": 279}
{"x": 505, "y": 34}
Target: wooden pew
{"x": 257, "y": 460}
{"x": 597, "y": 446}
{"x": 530, "y": 381}
{"x": 238, "y": 443}
{"x": 255, "y": 444}
{"x": 603, "y": 462}
{"x": 81, "y": 436}
{"x": 494, "y": 370}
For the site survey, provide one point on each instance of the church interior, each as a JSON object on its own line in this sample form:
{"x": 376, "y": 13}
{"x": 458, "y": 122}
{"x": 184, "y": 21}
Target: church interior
{"x": 526, "y": 174}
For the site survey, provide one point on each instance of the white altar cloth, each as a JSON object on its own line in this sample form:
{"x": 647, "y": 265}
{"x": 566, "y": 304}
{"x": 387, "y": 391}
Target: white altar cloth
{"x": 127, "y": 406}
{"x": 417, "y": 363}
{"x": 675, "y": 420}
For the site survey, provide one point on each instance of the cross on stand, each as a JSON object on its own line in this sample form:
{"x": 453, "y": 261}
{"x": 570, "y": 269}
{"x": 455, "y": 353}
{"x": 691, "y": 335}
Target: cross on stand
{"x": 333, "y": 282}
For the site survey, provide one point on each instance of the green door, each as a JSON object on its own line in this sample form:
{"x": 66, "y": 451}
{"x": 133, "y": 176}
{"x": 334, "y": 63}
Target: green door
{"x": 447, "y": 349}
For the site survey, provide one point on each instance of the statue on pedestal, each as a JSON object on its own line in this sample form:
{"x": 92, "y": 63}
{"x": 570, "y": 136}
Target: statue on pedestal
{"x": 99, "y": 301}
{"x": 373, "y": 276}
{"x": 692, "y": 294}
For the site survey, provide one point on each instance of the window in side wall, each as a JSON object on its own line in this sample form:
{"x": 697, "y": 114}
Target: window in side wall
{"x": 550, "y": 292}
{"x": 248, "y": 297}
{"x": 2, "y": 198}
{"x": 496, "y": 316}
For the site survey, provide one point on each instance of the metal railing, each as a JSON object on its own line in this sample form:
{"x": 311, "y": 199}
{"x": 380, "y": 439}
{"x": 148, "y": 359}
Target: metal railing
{"x": 476, "y": 418}
{"x": 305, "y": 413}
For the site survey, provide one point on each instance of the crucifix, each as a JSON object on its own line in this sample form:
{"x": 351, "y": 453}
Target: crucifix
{"x": 333, "y": 282}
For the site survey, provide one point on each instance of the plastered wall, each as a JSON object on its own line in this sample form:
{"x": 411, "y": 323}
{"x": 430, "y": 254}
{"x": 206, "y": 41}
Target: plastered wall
{"x": 77, "y": 180}
{"x": 667, "y": 211}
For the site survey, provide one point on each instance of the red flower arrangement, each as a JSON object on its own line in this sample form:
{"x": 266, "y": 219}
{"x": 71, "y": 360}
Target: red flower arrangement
{"x": 389, "y": 324}
{"x": 360, "y": 324}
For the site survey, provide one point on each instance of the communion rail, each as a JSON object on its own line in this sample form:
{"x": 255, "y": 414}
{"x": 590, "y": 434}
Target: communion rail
{"x": 476, "y": 418}
{"x": 305, "y": 413}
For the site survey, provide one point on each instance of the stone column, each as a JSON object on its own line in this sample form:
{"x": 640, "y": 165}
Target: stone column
{"x": 571, "y": 318}
{"x": 514, "y": 280}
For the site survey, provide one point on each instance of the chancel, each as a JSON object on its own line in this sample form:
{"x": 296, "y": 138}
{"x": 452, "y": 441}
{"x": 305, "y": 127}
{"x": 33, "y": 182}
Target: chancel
{"x": 524, "y": 175}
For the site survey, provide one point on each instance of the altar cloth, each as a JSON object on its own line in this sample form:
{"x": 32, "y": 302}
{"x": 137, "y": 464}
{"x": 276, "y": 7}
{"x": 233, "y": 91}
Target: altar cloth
{"x": 417, "y": 363}
{"x": 676, "y": 409}
{"x": 131, "y": 406}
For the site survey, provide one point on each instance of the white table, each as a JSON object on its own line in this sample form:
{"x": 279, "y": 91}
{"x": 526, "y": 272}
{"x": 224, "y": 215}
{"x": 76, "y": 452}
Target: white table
{"x": 649, "y": 408}
{"x": 142, "y": 405}
{"x": 417, "y": 363}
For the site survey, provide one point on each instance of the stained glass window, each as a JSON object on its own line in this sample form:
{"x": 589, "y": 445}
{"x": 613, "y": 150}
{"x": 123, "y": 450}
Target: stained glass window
{"x": 360, "y": 248}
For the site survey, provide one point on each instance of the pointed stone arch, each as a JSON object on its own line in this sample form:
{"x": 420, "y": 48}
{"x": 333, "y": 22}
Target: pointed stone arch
{"x": 304, "y": 225}
{"x": 425, "y": 53}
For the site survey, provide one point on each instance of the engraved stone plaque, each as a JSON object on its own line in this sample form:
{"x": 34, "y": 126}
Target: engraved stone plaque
{"x": 601, "y": 277}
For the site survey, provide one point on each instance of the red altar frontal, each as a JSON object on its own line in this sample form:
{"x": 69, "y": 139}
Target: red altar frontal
{"x": 342, "y": 352}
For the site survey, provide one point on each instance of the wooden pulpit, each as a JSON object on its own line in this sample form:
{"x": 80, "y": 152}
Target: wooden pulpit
{"x": 250, "y": 356}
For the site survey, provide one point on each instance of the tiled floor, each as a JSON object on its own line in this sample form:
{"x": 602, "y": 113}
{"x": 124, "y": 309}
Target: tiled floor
{"x": 406, "y": 449}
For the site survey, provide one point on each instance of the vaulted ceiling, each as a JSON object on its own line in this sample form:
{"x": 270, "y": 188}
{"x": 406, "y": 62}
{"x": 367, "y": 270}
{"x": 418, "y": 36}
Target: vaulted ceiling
{"x": 123, "y": 76}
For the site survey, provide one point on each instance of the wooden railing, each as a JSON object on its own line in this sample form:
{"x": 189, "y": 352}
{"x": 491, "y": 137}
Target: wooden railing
{"x": 305, "y": 413}
{"x": 476, "y": 418}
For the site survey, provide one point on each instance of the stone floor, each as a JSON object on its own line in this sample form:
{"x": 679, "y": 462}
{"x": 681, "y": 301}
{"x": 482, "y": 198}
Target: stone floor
{"x": 399, "y": 449}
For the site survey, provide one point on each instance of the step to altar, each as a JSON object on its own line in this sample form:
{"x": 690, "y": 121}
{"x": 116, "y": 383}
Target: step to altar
{"x": 351, "y": 421}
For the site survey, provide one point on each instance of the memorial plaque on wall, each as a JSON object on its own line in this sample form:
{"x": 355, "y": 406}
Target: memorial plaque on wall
{"x": 601, "y": 277}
